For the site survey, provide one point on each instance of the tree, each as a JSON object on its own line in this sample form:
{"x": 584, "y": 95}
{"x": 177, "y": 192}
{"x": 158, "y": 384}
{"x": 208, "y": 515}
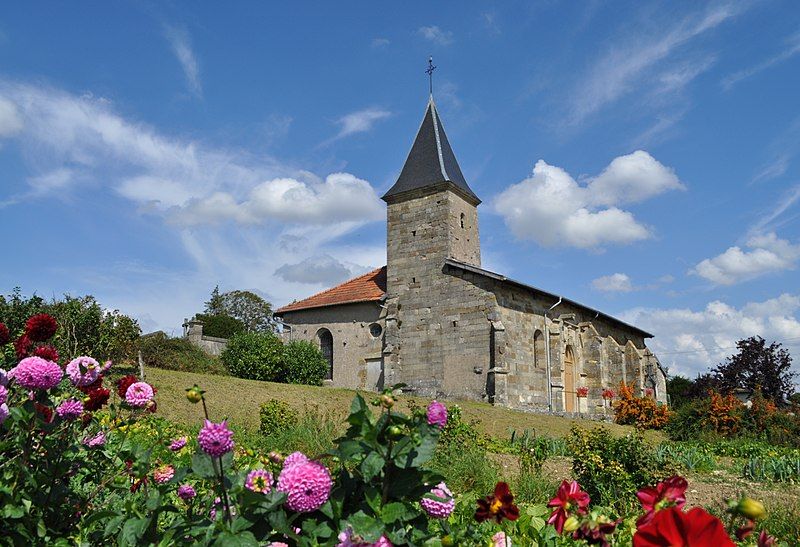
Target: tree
{"x": 758, "y": 365}
{"x": 220, "y": 325}
{"x": 679, "y": 389}
{"x": 251, "y": 310}
{"x": 215, "y": 304}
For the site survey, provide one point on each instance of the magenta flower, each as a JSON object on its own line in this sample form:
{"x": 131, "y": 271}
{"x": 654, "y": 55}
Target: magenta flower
{"x": 186, "y": 492}
{"x": 347, "y": 539}
{"x": 37, "y": 373}
{"x": 294, "y": 458}
{"x": 500, "y": 540}
{"x": 215, "y": 439}
{"x": 259, "y": 480}
{"x": 437, "y": 414}
{"x": 3, "y": 394}
{"x": 439, "y": 503}
{"x": 177, "y": 444}
{"x": 71, "y": 409}
{"x": 94, "y": 442}
{"x": 3, "y": 412}
{"x": 139, "y": 394}
{"x": 163, "y": 474}
{"x": 83, "y": 371}
{"x": 306, "y": 485}
{"x": 3, "y": 377}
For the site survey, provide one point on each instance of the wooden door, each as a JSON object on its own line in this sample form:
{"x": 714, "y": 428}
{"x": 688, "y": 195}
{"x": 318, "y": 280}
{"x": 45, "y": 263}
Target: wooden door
{"x": 569, "y": 380}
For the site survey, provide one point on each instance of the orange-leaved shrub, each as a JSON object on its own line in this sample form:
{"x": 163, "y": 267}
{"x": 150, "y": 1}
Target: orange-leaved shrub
{"x": 724, "y": 414}
{"x": 643, "y": 412}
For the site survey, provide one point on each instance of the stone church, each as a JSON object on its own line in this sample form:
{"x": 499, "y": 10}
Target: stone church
{"x": 433, "y": 319}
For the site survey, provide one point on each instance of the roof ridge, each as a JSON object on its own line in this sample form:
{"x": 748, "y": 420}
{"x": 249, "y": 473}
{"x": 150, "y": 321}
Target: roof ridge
{"x": 329, "y": 289}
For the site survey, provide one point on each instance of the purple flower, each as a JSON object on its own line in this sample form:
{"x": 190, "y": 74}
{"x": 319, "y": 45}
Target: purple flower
{"x": 3, "y": 412}
{"x": 3, "y": 394}
{"x": 83, "y": 371}
{"x": 106, "y": 366}
{"x": 218, "y": 503}
{"x": 36, "y": 373}
{"x": 3, "y": 377}
{"x": 437, "y": 414}
{"x": 215, "y": 439}
{"x": 259, "y": 480}
{"x": 186, "y": 492}
{"x": 439, "y": 503}
{"x": 294, "y": 458}
{"x": 139, "y": 394}
{"x": 70, "y": 409}
{"x": 94, "y": 442}
{"x": 346, "y": 539}
{"x": 177, "y": 444}
{"x": 307, "y": 486}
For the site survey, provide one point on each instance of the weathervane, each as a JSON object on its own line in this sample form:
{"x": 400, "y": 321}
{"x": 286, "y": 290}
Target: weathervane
{"x": 429, "y": 71}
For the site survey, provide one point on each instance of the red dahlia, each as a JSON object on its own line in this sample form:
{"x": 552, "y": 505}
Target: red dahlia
{"x": 22, "y": 346}
{"x": 44, "y": 411}
{"x": 124, "y": 383}
{"x": 673, "y": 528}
{"x": 97, "y": 398}
{"x": 498, "y": 506}
{"x": 47, "y": 352}
{"x": 569, "y": 498}
{"x": 671, "y": 491}
{"x": 41, "y": 327}
{"x": 5, "y": 336}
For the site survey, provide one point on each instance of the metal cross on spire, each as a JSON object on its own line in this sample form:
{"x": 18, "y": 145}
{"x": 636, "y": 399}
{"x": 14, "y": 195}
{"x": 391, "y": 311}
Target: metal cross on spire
{"x": 429, "y": 71}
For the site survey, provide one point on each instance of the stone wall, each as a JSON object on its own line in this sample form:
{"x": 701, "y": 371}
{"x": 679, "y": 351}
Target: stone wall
{"x": 357, "y": 356}
{"x": 193, "y": 331}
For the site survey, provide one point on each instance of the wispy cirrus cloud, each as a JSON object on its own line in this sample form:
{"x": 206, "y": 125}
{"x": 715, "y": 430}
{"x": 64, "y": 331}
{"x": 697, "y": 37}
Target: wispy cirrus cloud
{"x": 360, "y": 121}
{"x": 436, "y": 35}
{"x": 791, "y": 49}
{"x": 181, "y": 45}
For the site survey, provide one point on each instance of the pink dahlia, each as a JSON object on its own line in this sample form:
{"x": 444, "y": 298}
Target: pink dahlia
{"x": 3, "y": 394}
{"x": 186, "y": 492}
{"x": 83, "y": 371}
{"x": 3, "y": 412}
{"x": 437, "y": 414}
{"x": 177, "y": 444}
{"x": 37, "y": 373}
{"x": 70, "y": 409}
{"x": 259, "y": 480}
{"x": 139, "y": 394}
{"x": 41, "y": 327}
{"x": 348, "y": 539}
{"x": 307, "y": 486}
{"x": 163, "y": 474}
{"x": 215, "y": 439}
{"x": 439, "y": 503}
{"x": 94, "y": 442}
{"x": 500, "y": 540}
{"x": 294, "y": 458}
{"x": 5, "y": 336}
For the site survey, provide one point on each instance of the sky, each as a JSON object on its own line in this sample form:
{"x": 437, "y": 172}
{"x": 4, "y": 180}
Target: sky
{"x": 642, "y": 158}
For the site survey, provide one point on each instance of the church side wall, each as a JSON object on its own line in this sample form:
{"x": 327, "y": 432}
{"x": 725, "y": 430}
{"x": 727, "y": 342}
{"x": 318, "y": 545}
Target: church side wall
{"x": 356, "y": 352}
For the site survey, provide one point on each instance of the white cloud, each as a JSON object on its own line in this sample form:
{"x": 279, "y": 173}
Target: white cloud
{"x": 360, "y": 121}
{"x": 379, "y": 42}
{"x": 689, "y": 341}
{"x": 182, "y": 48}
{"x": 436, "y": 35}
{"x": 792, "y": 48}
{"x": 553, "y": 209}
{"x": 318, "y": 270}
{"x": 767, "y": 254}
{"x": 626, "y": 66}
{"x": 618, "y": 282}
{"x": 10, "y": 122}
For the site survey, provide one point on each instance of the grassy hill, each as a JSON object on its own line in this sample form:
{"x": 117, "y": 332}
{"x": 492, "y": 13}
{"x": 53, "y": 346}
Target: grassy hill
{"x": 239, "y": 401}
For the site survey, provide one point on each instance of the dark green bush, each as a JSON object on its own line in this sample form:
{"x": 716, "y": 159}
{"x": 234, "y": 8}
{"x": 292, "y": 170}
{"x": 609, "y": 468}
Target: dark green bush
{"x": 255, "y": 356}
{"x": 303, "y": 363}
{"x": 161, "y": 351}
{"x": 276, "y": 415}
{"x": 220, "y": 326}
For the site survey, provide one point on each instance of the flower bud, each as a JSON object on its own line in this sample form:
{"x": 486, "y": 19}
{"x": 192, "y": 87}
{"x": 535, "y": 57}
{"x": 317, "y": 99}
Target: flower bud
{"x": 750, "y": 508}
{"x": 387, "y": 401}
{"x": 194, "y": 394}
{"x": 571, "y": 524}
{"x": 276, "y": 457}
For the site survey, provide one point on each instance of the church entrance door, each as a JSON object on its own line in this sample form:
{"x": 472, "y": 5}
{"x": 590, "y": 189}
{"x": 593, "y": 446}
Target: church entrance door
{"x": 569, "y": 380}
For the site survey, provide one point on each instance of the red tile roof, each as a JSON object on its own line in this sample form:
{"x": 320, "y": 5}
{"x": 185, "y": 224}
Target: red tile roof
{"x": 369, "y": 287}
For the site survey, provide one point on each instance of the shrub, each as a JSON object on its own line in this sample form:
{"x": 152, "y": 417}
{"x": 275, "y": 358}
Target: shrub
{"x": 275, "y": 416}
{"x": 612, "y": 469}
{"x": 303, "y": 363}
{"x": 220, "y": 325}
{"x": 642, "y": 412}
{"x": 255, "y": 356}
{"x": 161, "y": 351}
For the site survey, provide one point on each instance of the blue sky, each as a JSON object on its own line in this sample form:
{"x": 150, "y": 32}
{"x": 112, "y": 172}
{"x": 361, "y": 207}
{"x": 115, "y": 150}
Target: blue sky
{"x": 642, "y": 157}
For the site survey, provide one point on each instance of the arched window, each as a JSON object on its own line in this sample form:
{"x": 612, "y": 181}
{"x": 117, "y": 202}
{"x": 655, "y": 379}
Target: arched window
{"x": 539, "y": 357}
{"x": 462, "y": 220}
{"x": 326, "y": 347}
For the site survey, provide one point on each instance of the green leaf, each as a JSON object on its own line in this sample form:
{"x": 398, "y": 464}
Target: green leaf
{"x": 203, "y": 466}
{"x": 394, "y": 511}
{"x": 133, "y": 530}
{"x": 365, "y": 526}
{"x": 371, "y": 466}
{"x": 228, "y": 539}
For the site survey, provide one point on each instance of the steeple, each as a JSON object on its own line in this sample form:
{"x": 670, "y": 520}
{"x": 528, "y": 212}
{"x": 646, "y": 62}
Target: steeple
{"x": 431, "y": 164}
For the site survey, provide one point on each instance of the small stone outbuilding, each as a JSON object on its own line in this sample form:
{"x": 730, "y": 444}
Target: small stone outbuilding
{"x": 433, "y": 319}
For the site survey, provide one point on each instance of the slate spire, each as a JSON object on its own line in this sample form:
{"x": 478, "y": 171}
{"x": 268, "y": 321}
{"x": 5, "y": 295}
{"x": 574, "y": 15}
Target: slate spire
{"x": 431, "y": 164}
